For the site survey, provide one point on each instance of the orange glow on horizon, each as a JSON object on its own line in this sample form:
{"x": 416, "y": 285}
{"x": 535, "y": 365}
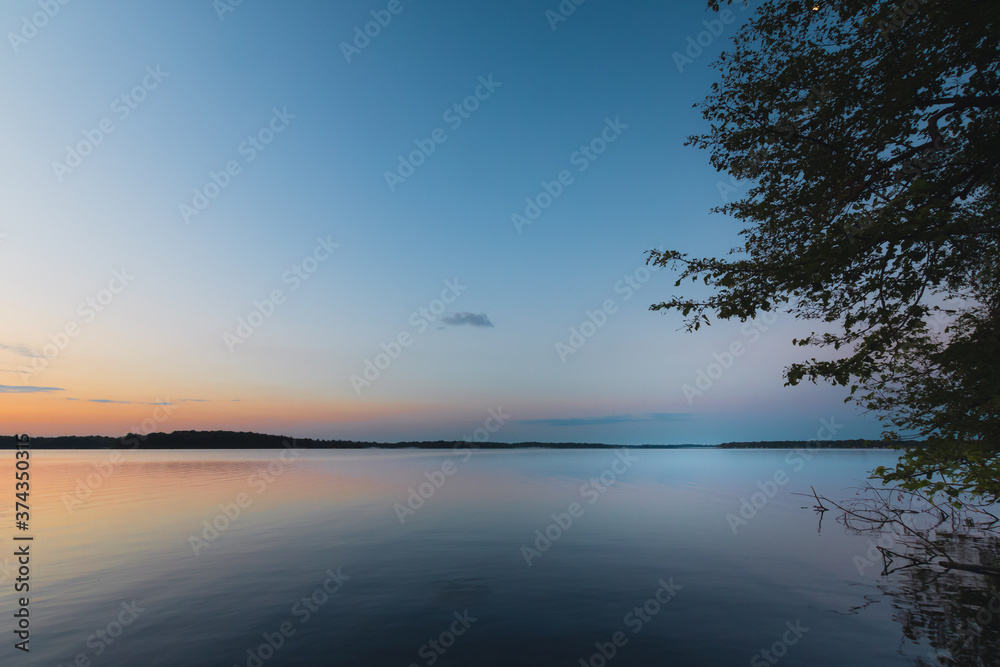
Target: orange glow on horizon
{"x": 55, "y": 415}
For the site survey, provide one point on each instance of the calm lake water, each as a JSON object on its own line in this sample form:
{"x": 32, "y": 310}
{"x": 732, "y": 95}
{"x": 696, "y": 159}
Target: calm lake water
{"x": 329, "y": 563}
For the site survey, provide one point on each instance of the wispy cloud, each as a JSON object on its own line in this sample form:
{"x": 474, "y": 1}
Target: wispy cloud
{"x": 22, "y": 350}
{"x": 8, "y": 389}
{"x": 470, "y": 319}
{"x": 107, "y": 400}
{"x": 610, "y": 419}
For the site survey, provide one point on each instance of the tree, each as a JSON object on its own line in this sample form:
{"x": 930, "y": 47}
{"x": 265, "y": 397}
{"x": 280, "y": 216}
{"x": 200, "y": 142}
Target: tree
{"x": 931, "y": 550}
{"x": 870, "y": 131}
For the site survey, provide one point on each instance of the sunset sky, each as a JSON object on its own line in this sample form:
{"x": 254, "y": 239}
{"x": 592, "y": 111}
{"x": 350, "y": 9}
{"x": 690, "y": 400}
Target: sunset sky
{"x": 171, "y": 168}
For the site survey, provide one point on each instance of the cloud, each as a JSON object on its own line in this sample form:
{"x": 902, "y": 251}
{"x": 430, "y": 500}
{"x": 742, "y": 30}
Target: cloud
{"x": 107, "y": 400}
{"x": 472, "y": 319}
{"x": 22, "y": 350}
{"x": 610, "y": 419}
{"x": 8, "y": 389}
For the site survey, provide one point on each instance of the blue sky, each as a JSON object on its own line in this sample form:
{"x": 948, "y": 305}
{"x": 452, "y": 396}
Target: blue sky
{"x": 206, "y": 89}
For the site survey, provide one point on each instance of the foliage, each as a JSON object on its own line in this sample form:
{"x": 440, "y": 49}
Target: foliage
{"x": 870, "y": 131}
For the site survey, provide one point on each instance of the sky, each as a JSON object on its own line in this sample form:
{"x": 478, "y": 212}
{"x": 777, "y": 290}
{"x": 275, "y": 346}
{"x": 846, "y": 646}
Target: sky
{"x": 374, "y": 220}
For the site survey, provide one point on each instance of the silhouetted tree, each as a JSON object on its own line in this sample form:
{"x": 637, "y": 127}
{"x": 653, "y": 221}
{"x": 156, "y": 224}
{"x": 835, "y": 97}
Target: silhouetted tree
{"x": 870, "y": 131}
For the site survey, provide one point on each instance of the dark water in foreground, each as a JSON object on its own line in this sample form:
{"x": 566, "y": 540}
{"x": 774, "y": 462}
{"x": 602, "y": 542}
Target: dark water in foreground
{"x": 646, "y": 570}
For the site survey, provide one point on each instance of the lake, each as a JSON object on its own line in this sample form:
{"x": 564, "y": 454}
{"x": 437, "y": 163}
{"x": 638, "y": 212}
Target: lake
{"x": 517, "y": 557}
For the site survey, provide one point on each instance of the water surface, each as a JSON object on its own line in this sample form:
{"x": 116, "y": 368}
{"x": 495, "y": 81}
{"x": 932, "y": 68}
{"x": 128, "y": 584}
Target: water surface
{"x": 383, "y": 577}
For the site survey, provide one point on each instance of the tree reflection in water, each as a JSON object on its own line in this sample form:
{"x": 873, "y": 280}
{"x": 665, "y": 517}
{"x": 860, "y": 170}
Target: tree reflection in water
{"x": 940, "y": 567}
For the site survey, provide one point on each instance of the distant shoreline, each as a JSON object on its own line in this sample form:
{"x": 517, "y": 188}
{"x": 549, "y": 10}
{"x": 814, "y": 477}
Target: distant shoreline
{"x": 206, "y": 440}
